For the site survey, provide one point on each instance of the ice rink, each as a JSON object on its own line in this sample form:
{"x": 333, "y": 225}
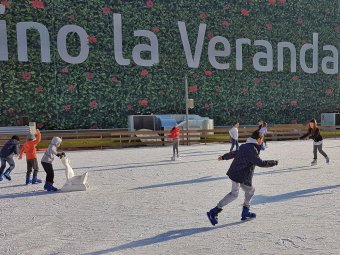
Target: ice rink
{"x": 140, "y": 202}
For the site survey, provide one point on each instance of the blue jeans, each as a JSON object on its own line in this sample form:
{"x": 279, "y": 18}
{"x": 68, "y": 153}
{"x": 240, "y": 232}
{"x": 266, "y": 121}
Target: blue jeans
{"x": 11, "y": 163}
{"x": 234, "y": 142}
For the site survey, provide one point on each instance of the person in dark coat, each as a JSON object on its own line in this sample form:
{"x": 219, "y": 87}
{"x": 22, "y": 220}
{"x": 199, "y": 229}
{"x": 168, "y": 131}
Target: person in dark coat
{"x": 7, "y": 152}
{"x": 241, "y": 173}
{"x": 314, "y": 133}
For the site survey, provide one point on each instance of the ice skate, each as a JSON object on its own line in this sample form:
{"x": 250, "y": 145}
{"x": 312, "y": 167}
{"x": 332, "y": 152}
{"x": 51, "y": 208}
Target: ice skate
{"x": 7, "y": 176}
{"x": 212, "y": 215}
{"x": 28, "y": 179}
{"x": 49, "y": 187}
{"x": 35, "y": 180}
{"x": 314, "y": 162}
{"x": 246, "y": 214}
{"x": 173, "y": 158}
{"x": 327, "y": 160}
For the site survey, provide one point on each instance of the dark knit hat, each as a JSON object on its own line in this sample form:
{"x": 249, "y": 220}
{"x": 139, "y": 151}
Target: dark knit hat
{"x": 256, "y": 135}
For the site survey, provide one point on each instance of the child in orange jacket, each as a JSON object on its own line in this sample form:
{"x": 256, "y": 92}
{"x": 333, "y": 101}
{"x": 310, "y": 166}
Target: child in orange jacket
{"x": 174, "y": 135}
{"x": 29, "y": 148}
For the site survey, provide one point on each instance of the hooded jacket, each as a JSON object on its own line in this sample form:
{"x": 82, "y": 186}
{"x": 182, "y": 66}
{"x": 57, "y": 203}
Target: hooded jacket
{"x": 30, "y": 147}
{"x": 174, "y": 133}
{"x": 51, "y": 150}
{"x": 313, "y": 134}
{"x": 245, "y": 159}
{"x": 10, "y": 148}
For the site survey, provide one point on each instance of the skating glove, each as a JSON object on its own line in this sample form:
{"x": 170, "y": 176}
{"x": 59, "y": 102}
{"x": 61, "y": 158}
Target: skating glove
{"x": 61, "y": 154}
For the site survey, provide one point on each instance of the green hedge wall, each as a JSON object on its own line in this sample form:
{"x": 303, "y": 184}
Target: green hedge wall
{"x": 100, "y": 93}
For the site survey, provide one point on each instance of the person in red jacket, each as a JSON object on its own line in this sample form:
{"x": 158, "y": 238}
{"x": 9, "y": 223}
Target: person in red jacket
{"x": 174, "y": 135}
{"x": 29, "y": 148}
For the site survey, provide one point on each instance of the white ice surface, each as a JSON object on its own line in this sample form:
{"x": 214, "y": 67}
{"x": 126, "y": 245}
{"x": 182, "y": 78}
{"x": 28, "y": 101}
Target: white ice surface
{"x": 140, "y": 202}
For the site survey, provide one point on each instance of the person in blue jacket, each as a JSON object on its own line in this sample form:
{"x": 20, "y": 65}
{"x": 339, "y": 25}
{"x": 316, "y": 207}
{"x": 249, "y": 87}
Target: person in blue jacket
{"x": 7, "y": 152}
{"x": 241, "y": 173}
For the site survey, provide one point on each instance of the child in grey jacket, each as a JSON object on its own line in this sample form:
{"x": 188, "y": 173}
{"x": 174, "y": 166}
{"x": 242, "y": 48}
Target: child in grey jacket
{"x": 47, "y": 160}
{"x": 233, "y": 132}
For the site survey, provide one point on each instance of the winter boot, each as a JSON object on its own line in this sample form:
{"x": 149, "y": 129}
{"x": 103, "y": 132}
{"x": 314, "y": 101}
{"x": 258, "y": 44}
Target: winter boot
{"x": 173, "y": 158}
{"x": 35, "y": 180}
{"x": 327, "y": 160}
{"x": 28, "y": 179}
{"x": 314, "y": 162}
{"x": 246, "y": 214}
{"x": 212, "y": 215}
{"x": 49, "y": 187}
{"x": 7, "y": 176}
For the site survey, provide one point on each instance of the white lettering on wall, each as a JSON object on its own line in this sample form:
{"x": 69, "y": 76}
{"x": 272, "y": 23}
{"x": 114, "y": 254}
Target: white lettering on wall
{"x": 213, "y": 52}
{"x": 315, "y": 51}
{"x": 62, "y": 44}
{"x": 3, "y": 41}
{"x": 22, "y": 28}
{"x": 118, "y": 40}
{"x": 193, "y": 62}
{"x": 268, "y": 56}
{"x": 239, "y": 52}
{"x": 153, "y": 48}
{"x": 334, "y": 60}
{"x": 280, "y": 59}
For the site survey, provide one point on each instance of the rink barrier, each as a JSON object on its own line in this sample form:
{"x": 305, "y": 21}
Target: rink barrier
{"x": 101, "y": 139}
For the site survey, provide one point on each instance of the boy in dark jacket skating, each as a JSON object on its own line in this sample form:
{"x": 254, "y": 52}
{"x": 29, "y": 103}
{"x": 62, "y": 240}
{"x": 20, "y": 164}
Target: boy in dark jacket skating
{"x": 7, "y": 152}
{"x": 241, "y": 173}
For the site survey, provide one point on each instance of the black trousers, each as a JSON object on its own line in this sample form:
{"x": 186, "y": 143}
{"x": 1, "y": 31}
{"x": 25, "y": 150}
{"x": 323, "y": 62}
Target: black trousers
{"x": 49, "y": 171}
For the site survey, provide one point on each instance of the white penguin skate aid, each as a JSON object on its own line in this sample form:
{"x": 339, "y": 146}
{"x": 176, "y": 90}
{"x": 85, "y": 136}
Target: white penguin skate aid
{"x": 73, "y": 183}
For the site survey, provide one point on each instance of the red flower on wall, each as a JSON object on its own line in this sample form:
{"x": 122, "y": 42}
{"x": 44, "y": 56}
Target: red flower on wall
{"x": 130, "y": 106}
{"x": 299, "y": 21}
{"x": 162, "y": 91}
{"x": 71, "y": 88}
{"x": 40, "y": 125}
{"x": 272, "y": 2}
{"x": 210, "y": 36}
{"x": 225, "y": 23}
{"x": 338, "y": 78}
{"x": 206, "y": 106}
{"x": 269, "y": 26}
{"x": 203, "y": 16}
{"x": 329, "y": 91}
{"x": 5, "y": 3}
{"x": 337, "y": 29}
{"x": 71, "y": 17}
{"x": 193, "y": 89}
{"x": 67, "y": 107}
{"x": 245, "y": 12}
{"x": 93, "y": 104}
{"x": 114, "y": 79}
{"x": 295, "y": 78}
{"x": 91, "y": 39}
{"x": 218, "y": 89}
{"x": 26, "y": 76}
{"x": 245, "y": 91}
{"x": 257, "y": 80}
{"x": 194, "y": 75}
{"x": 89, "y": 76}
{"x": 144, "y": 72}
{"x": 282, "y": 1}
{"x": 294, "y": 121}
{"x": 293, "y": 103}
{"x": 106, "y": 10}
{"x": 149, "y": 4}
{"x": 39, "y": 89}
{"x": 65, "y": 70}
{"x": 38, "y": 4}
{"x": 259, "y": 104}
{"x": 273, "y": 84}
{"x": 208, "y": 73}
{"x": 226, "y": 7}
{"x": 155, "y": 30}
{"x": 143, "y": 102}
